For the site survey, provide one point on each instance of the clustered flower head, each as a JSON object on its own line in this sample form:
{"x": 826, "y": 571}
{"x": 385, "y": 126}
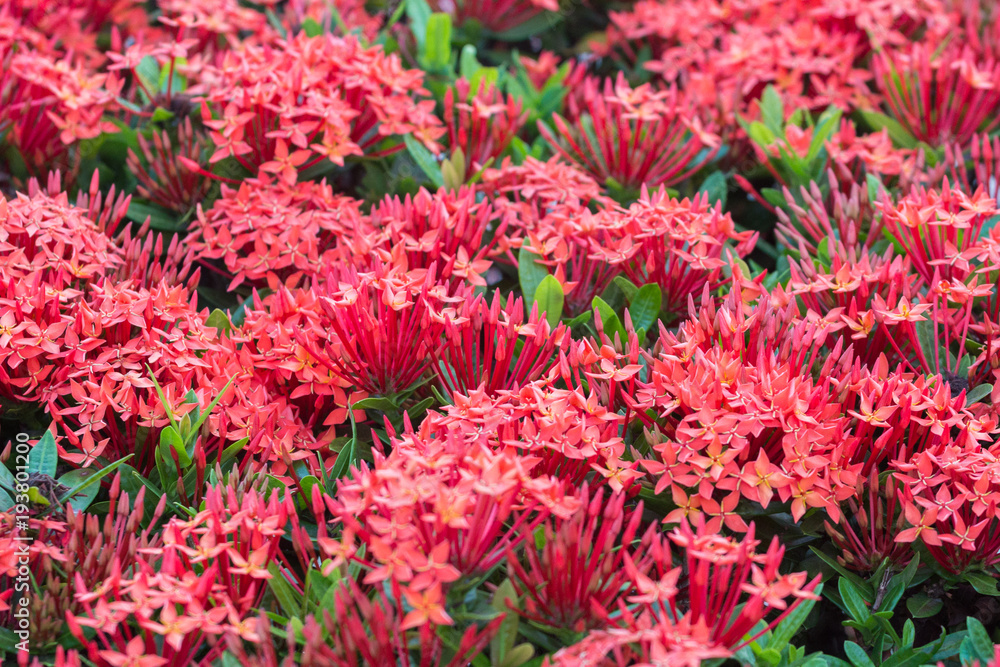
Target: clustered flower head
{"x": 335, "y": 334}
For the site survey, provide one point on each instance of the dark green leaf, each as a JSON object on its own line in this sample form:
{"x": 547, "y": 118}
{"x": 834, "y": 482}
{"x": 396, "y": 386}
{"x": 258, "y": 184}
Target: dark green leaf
{"x": 44, "y": 456}
{"x": 290, "y": 601}
{"x": 853, "y": 601}
{"x": 983, "y": 583}
{"x": 786, "y": 630}
{"x": 857, "y": 655}
{"x": 7, "y": 480}
{"x": 978, "y": 643}
{"x": 628, "y": 288}
{"x": 6, "y": 502}
{"x": 160, "y": 219}
{"x": 923, "y": 606}
{"x": 425, "y": 160}
{"x": 978, "y": 393}
{"x": 645, "y": 308}
{"x": 376, "y": 403}
{"x": 536, "y": 25}
{"x": 716, "y": 188}
{"x": 82, "y": 499}
{"x": 907, "y": 657}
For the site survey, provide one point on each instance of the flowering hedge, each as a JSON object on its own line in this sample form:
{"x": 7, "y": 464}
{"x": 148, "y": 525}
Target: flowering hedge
{"x": 514, "y": 333}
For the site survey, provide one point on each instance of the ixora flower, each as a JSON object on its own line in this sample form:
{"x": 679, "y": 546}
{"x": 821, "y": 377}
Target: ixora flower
{"x": 442, "y": 333}
{"x": 284, "y": 108}
{"x": 680, "y": 245}
{"x": 632, "y": 136}
{"x": 730, "y": 590}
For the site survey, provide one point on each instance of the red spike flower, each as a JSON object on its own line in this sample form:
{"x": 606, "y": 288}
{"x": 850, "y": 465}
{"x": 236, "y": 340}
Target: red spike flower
{"x": 939, "y": 94}
{"x": 383, "y": 326}
{"x": 491, "y": 348}
{"x": 581, "y": 565}
{"x": 632, "y": 136}
{"x": 731, "y": 589}
{"x": 680, "y": 245}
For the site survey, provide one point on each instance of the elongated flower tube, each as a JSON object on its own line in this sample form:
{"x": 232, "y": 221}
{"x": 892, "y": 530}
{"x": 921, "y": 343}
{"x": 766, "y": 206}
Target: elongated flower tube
{"x": 632, "y": 136}
{"x": 940, "y": 97}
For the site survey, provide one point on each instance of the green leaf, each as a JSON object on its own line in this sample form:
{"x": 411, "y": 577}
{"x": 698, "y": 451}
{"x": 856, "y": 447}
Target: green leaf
{"x": 978, "y": 643}
{"x": 276, "y": 23}
{"x": 923, "y": 606}
{"x": 536, "y": 25}
{"x": 160, "y": 219}
{"x": 85, "y": 480}
{"x": 437, "y": 46}
{"x": 925, "y": 335}
{"x": 347, "y": 455}
{"x": 468, "y": 64}
{"x": 220, "y": 321}
{"x": 983, "y": 583}
{"x": 506, "y": 636}
{"x": 170, "y": 438}
{"x": 161, "y": 115}
{"x": 549, "y": 297}
{"x": 311, "y": 27}
{"x": 290, "y": 601}
{"x": 306, "y": 485}
{"x": 909, "y": 632}
{"x": 7, "y": 480}
{"x": 376, "y": 403}
{"x": 978, "y": 393}
{"x": 148, "y": 71}
{"x": 419, "y": 13}
{"x": 6, "y": 502}
{"x": 761, "y": 135}
{"x": 853, "y": 601}
{"x": 828, "y": 123}
{"x": 35, "y": 496}
{"x": 785, "y": 630}
{"x": 190, "y": 435}
{"x": 875, "y": 187}
{"x": 171, "y": 82}
{"x": 907, "y": 657}
{"x": 425, "y": 160}
{"x": 80, "y": 500}
{"x": 609, "y": 320}
{"x": 899, "y": 135}
{"x": 44, "y": 456}
{"x": 769, "y": 656}
{"x": 645, "y": 307}
{"x": 772, "y": 111}
{"x": 716, "y": 188}
{"x": 531, "y": 273}
{"x": 857, "y": 655}
{"x": 628, "y": 288}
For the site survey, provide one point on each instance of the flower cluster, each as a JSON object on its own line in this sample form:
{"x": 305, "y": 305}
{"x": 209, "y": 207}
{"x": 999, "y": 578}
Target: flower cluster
{"x": 448, "y": 332}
